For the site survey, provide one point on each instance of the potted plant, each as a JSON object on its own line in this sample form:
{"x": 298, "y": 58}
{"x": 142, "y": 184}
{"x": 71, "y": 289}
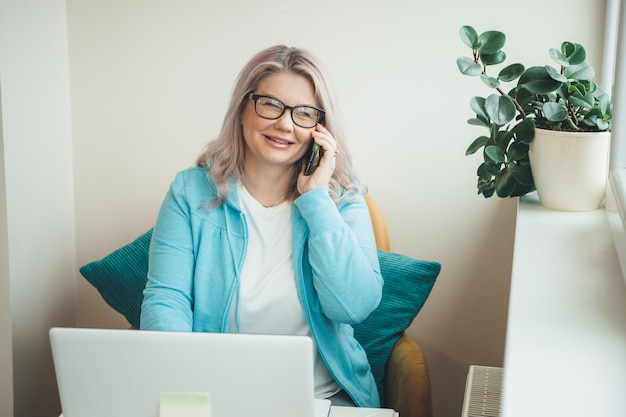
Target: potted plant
{"x": 564, "y": 101}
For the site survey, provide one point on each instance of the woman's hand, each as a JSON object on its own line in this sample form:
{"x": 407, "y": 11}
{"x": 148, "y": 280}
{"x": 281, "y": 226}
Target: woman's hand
{"x": 320, "y": 177}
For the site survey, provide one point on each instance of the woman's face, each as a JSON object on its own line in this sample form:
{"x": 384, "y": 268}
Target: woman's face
{"x": 280, "y": 142}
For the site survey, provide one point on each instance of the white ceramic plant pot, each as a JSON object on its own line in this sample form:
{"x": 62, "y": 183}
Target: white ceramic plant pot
{"x": 570, "y": 168}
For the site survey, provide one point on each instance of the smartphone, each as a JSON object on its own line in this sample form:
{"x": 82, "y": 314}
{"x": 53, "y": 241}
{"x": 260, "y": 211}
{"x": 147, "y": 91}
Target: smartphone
{"x": 313, "y": 158}
{"x": 314, "y": 155}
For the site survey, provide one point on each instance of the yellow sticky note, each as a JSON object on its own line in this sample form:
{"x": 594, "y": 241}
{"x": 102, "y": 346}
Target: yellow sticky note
{"x": 188, "y": 404}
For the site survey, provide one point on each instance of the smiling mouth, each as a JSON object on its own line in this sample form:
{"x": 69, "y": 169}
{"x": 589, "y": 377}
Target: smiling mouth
{"x": 279, "y": 141}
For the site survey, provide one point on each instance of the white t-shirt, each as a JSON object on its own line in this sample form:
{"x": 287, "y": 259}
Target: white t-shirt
{"x": 268, "y": 301}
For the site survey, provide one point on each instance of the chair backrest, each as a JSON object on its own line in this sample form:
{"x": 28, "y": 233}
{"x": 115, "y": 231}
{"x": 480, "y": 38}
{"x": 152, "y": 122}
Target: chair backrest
{"x": 407, "y": 380}
{"x": 381, "y": 233}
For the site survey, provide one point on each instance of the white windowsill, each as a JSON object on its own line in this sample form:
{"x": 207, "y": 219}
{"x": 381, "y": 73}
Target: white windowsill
{"x": 565, "y": 349}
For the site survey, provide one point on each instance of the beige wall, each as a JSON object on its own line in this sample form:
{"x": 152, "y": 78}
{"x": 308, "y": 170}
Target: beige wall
{"x": 149, "y": 83}
{"x": 6, "y": 339}
{"x": 37, "y": 235}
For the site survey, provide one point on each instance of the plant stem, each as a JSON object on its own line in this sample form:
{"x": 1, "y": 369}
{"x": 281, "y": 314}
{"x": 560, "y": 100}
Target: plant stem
{"x": 499, "y": 90}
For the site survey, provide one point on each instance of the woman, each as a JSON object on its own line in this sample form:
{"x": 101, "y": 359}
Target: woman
{"x": 246, "y": 242}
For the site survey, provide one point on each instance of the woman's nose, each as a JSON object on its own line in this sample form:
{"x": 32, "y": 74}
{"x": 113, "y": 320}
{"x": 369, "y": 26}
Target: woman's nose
{"x": 285, "y": 121}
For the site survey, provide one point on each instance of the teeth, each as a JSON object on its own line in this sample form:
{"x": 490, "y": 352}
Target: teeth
{"x": 279, "y": 141}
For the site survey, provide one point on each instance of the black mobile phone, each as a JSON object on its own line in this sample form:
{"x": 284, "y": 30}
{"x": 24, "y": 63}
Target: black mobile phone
{"x": 313, "y": 156}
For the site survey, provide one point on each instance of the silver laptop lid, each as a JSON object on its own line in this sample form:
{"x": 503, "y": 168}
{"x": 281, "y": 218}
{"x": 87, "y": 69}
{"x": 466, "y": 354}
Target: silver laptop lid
{"x": 105, "y": 372}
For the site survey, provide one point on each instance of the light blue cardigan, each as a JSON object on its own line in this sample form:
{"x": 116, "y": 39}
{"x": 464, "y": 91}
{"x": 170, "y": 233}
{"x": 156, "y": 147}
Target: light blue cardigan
{"x": 196, "y": 256}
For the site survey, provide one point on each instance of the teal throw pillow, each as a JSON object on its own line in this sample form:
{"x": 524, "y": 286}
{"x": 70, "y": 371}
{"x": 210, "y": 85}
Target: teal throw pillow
{"x": 408, "y": 283}
{"x": 120, "y": 278}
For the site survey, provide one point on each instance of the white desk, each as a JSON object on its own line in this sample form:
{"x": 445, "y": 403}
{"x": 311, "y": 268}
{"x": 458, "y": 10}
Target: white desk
{"x": 361, "y": 412}
{"x": 356, "y": 412}
{"x": 565, "y": 349}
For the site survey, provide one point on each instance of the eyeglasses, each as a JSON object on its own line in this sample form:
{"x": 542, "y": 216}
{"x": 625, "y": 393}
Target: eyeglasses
{"x": 272, "y": 108}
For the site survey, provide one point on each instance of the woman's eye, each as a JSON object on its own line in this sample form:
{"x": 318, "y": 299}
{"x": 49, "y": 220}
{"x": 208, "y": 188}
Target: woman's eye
{"x": 304, "y": 113}
{"x": 274, "y": 104}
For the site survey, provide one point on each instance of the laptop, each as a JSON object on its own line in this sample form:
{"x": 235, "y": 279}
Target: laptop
{"x": 129, "y": 373}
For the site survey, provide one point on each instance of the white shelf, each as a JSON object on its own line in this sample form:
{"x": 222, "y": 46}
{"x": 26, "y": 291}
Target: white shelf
{"x": 565, "y": 349}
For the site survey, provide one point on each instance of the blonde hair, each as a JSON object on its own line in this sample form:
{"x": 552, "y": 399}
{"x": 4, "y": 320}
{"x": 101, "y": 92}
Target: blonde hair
{"x": 223, "y": 157}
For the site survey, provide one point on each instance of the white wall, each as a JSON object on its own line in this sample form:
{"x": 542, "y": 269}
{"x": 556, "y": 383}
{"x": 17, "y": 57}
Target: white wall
{"x": 6, "y": 339}
{"x": 150, "y": 81}
{"x": 37, "y": 236}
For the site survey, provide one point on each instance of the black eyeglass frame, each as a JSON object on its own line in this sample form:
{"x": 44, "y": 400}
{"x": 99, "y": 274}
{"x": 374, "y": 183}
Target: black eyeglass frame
{"x": 320, "y": 119}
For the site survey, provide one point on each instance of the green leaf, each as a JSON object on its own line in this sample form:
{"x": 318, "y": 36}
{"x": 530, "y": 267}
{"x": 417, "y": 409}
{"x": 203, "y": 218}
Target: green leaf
{"x": 491, "y": 42}
{"x": 488, "y": 169}
{"x": 582, "y": 71}
{"x": 517, "y": 151}
{"x": 503, "y": 137}
{"x": 555, "y": 74}
{"x": 467, "y": 66}
{"x": 575, "y": 88}
{"x": 570, "y": 54}
{"x": 602, "y": 124}
{"x": 604, "y": 106}
{"x": 486, "y": 188}
{"x": 557, "y": 56}
{"x": 469, "y": 36}
{"x": 490, "y": 81}
{"x": 478, "y": 121}
{"x": 600, "y": 94}
{"x": 521, "y": 190}
{"x": 537, "y": 80}
{"x": 496, "y": 58}
{"x": 522, "y": 174}
{"x": 494, "y": 133}
{"x": 573, "y": 53}
{"x": 554, "y": 112}
{"x": 477, "y": 104}
{"x": 525, "y": 131}
{"x": 564, "y": 90}
{"x": 478, "y": 143}
{"x": 595, "y": 121}
{"x": 505, "y": 184}
{"x": 522, "y": 96}
{"x": 510, "y": 73}
{"x": 581, "y": 87}
{"x": 567, "y": 48}
{"x": 500, "y": 109}
{"x": 586, "y": 102}
{"x": 494, "y": 153}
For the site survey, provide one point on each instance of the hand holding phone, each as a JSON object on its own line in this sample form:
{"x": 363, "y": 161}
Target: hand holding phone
{"x": 314, "y": 155}
{"x": 318, "y": 163}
